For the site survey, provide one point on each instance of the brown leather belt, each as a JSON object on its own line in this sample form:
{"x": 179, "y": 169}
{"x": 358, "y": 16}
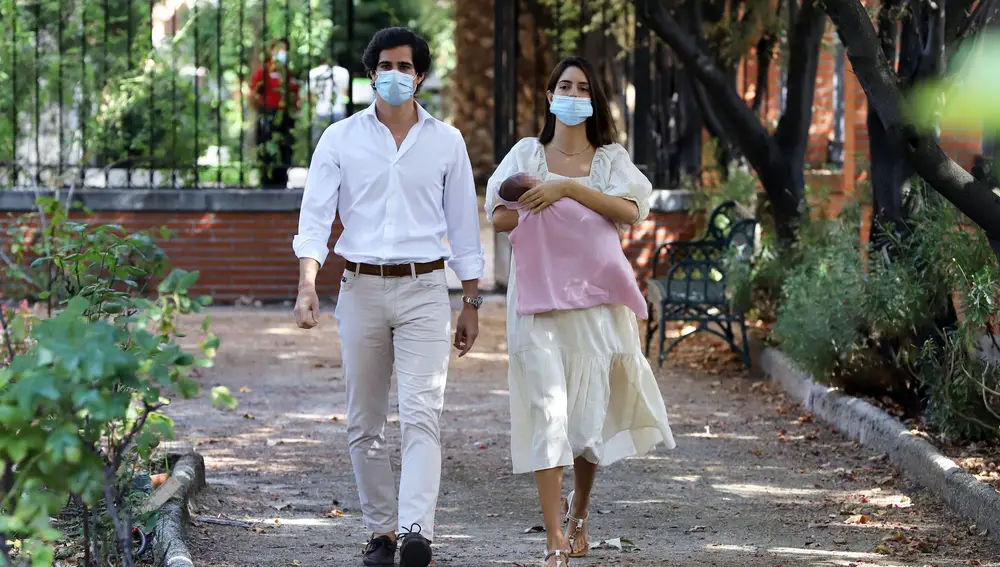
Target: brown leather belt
{"x": 394, "y": 270}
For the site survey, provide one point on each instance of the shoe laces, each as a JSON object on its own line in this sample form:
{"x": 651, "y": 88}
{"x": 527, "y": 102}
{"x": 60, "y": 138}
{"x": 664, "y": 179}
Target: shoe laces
{"x": 414, "y": 529}
{"x": 375, "y": 542}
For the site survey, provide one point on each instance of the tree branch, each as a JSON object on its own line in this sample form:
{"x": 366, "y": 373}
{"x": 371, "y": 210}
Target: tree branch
{"x": 6, "y": 334}
{"x": 765, "y": 52}
{"x": 748, "y": 133}
{"x": 803, "y": 61}
{"x": 980, "y": 202}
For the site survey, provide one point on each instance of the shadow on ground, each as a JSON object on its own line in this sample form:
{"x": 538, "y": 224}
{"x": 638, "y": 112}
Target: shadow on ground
{"x": 752, "y": 482}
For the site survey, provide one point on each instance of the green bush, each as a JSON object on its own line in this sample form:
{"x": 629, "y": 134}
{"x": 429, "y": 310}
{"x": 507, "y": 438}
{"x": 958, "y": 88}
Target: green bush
{"x": 888, "y": 326}
{"x": 822, "y": 306}
{"x": 82, "y": 392}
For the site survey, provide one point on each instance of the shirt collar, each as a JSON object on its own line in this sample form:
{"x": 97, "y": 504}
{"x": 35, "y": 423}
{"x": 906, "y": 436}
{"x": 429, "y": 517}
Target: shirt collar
{"x": 422, "y": 115}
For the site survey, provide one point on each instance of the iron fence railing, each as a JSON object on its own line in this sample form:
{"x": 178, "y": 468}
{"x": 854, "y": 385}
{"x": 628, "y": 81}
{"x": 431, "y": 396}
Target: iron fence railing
{"x": 158, "y": 93}
{"x": 650, "y": 92}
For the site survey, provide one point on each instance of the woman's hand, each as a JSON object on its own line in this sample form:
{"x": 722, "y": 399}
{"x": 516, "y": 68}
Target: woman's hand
{"x": 544, "y": 194}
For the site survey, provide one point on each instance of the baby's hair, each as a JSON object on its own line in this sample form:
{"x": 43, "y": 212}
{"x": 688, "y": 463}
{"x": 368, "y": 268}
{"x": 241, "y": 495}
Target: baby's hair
{"x": 514, "y": 186}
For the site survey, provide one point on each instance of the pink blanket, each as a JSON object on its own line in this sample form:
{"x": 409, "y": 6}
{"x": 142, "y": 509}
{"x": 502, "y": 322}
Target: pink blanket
{"x": 569, "y": 257}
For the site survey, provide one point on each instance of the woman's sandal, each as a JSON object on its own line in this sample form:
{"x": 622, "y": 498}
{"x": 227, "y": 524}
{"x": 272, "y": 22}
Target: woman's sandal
{"x": 576, "y": 531}
{"x": 559, "y": 558}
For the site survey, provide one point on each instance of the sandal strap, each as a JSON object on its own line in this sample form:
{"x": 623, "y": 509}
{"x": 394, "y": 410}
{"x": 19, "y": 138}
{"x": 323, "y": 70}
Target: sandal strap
{"x": 560, "y": 555}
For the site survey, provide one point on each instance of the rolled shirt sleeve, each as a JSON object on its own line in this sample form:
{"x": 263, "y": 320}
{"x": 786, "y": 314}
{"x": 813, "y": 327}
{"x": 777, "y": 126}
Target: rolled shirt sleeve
{"x": 461, "y": 212}
{"x": 319, "y": 202}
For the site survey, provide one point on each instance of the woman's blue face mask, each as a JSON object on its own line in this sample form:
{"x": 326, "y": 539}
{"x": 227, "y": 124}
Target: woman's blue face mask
{"x": 571, "y": 110}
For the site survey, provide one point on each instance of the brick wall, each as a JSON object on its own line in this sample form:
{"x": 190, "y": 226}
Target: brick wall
{"x": 240, "y": 253}
{"x": 640, "y": 241}
{"x": 242, "y": 249}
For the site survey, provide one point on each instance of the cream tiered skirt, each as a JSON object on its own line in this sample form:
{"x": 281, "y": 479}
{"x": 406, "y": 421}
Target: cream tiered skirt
{"x": 580, "y": 386}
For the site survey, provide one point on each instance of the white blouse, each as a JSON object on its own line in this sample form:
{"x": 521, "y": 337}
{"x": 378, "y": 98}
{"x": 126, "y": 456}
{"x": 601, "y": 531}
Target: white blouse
{"x": 612, "y": 173}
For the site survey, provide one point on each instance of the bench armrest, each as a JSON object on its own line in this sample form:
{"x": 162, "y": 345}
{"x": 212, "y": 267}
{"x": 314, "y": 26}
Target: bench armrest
{"x": 680, "y": 250}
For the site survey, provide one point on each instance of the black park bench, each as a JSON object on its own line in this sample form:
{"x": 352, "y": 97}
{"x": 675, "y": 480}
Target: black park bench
{"x": 693, "y": 287}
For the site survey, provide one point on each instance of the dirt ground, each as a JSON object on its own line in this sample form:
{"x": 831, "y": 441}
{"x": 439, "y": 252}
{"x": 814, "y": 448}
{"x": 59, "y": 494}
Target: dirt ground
{"x": 753, "y": 480}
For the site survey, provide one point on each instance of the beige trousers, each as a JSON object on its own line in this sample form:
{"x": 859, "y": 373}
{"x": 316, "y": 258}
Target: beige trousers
{"x": 406, "y": 321}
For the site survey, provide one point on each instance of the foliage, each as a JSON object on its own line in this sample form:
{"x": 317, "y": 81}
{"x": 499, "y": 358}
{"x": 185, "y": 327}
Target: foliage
{"x": 753, "y": 287}
{"x": 822, "y": 303}
{"x": 82, "y": 392}
{"x": 875, "y": 327}
{"x": 99, "y": 84}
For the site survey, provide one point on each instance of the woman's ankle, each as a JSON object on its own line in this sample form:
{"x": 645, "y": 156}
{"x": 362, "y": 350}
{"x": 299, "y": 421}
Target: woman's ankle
{"x": 558, "y": 542}
{"x": 579, "y": 507}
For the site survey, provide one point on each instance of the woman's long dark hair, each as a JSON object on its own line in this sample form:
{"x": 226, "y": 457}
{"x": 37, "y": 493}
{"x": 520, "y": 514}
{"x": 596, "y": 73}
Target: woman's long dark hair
{"x": 601, "y": 129}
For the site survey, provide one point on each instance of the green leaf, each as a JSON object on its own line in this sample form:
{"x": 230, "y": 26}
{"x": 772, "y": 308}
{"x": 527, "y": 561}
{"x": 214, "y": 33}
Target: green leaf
{"x": 188, "y": 280}
{"x": 223, "y": 398}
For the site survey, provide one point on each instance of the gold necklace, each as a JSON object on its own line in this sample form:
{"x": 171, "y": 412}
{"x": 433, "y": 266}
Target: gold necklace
{"x": 570, "y": 154}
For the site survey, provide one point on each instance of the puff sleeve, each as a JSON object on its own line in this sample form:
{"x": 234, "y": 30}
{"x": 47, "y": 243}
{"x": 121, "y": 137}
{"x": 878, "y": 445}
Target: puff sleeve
{"x": 513, "y": 162}
{"x": 627, "y": 182}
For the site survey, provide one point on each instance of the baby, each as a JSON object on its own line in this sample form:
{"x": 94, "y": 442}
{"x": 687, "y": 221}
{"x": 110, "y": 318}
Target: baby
{"x": 516, "y": 185}
{"x": 567, "y": 256}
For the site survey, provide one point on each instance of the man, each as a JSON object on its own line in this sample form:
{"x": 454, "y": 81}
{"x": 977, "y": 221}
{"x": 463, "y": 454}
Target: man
{"x": 401, "y": 181}
{"x": 275, "y": 102}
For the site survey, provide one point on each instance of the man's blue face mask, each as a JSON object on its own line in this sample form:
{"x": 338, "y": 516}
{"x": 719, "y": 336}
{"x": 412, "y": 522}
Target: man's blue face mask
{"x": 394, "y": 87}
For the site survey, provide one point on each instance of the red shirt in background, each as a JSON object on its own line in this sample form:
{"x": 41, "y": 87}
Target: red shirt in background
{"x": 273, "y": 88}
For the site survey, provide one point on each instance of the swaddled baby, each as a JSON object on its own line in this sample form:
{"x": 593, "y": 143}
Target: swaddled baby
{"x": 567, "y": 256}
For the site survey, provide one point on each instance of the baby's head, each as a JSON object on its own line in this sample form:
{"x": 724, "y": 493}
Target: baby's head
{"x": 516, "y": 185}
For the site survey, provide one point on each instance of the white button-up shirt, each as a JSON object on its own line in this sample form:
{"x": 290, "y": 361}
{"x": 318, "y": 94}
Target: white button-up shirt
{"x": 396, "y": 205}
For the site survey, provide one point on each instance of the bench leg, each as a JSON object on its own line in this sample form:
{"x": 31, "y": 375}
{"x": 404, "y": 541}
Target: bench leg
{"x": 746, "y": 345}
{"x": 660, "y": 355}
{"x": 730, "y": 336}
{"x": 649, "y": 329}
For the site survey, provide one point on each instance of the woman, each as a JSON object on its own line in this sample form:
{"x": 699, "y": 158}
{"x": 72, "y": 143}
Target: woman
{"x": 581, "y": 392}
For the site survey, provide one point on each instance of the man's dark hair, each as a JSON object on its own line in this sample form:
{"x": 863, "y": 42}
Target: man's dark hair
{"x": 397, "y": 37}
{"x": 281, "y": 41}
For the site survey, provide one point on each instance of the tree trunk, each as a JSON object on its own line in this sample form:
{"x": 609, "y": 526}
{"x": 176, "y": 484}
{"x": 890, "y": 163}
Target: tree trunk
{"x": 979, "y": 201}
{"x": 779, "y": 159}
{"x": 890, "y": 173}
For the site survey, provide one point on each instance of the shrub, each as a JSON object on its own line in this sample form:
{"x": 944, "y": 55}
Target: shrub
{"x": 82, "y": 393}
{"x": 889, "y": 327}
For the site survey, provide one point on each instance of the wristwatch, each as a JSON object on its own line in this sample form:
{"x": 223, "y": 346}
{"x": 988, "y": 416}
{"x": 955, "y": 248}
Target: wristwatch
{"x": 475, "y": 302}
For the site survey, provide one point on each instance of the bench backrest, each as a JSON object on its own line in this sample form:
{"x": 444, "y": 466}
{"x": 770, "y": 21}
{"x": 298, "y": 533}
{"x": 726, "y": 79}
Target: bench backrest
{"x": 720, "y": 221}
{"x": 743, "y": 237}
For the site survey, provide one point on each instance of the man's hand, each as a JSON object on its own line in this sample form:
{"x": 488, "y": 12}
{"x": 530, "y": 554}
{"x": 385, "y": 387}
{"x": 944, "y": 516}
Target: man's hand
{"x": 466, "y": 329}
{"x": 544, "y": 194}
{"x": 307, "y": 308}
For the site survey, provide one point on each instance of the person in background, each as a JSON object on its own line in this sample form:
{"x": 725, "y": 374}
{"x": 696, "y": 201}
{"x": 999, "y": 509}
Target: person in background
{"x": 328, "y": 86}
{"x": 274, "y": 94}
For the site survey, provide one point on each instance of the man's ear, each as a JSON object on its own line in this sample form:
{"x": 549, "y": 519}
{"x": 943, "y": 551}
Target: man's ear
{"x": 548, "y": 96}
{"x": 419, "y": 80}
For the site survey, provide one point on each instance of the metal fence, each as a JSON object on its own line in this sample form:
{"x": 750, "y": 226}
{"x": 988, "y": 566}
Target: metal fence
{"x": 649, "y": 91}
{"x": 157, "y": 93}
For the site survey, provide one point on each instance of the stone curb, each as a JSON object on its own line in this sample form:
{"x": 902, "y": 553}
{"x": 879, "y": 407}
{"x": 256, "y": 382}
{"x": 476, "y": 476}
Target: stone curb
{"x": 872, "y": 427}
{"x": 170, "y": 550}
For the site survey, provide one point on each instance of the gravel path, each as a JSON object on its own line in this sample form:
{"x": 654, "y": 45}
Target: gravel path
{"x": 752, "y": 482}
